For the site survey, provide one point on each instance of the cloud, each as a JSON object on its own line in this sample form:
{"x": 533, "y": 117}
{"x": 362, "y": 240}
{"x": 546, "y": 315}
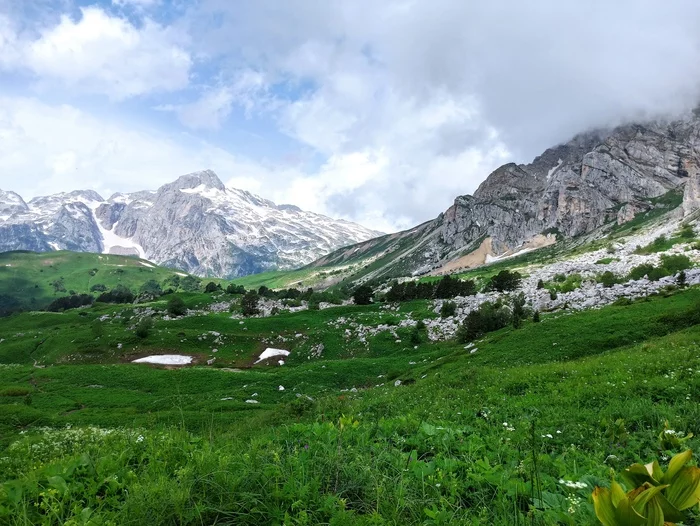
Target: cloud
{"x": 46, "y": 149}
{"x": 444, "y": 92}
{"x": 101, "y": 53}
{"x": 391, "y": 109}
{"x": 215, "y": 104}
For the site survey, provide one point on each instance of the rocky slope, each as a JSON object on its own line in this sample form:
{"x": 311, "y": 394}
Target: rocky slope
{"x": 195, "y": 224}
{"x": 584, "y": 187}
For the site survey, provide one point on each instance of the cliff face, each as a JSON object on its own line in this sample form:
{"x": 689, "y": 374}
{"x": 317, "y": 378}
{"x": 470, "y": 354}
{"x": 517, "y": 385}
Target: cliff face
{"x": 579, "y": 186}
{"x": 597, "y": 178}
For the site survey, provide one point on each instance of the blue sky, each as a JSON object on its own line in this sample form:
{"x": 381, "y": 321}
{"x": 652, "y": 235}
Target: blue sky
{"x": 377, "y": 112}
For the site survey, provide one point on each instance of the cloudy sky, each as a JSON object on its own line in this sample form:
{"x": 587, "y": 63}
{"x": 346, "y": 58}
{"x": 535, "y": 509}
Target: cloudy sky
{"x": 376, "y": 111}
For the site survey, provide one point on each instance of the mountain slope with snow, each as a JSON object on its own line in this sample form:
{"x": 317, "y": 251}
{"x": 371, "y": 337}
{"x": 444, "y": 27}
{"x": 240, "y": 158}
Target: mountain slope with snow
{"x": 195, "y": 224}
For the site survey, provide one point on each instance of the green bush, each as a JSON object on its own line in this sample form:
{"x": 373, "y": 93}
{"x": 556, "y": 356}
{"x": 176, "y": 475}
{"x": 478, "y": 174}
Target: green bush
{"x": 143, "y": 327}
{"x": 449, "y": 308}
{"x": 176, "y": 306}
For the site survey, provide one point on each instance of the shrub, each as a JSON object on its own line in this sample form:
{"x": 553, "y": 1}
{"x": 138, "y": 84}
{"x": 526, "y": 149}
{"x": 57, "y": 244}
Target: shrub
{"x": 449, "y": 308}
{"x": 518, "y": 312}
{"x": 608, "y": 279}
{"x": 143, "y": 327}
{"x": 176, "y": 306}
{"x": 152, "y": 288}
{"x": 249, "y": 303}
{"x": 70, "y": 302}
{"x": 675, "y": 263}
{"x": 487, "y": 318}
{"x": 190, "y": 284}
{"x": 686, "y": 232}
{"x": 235, "y": 289}
{"x": 640, "y": 271}
{"x": 363, "y": 295}
{"x": 659, "y": 244}
{"x": 536, "y": 317}
{"x": 119, "y": 294}
{"x": 211, "y": 287}
{"x": 98, "y": 287}
{"x": 504, "y": 281}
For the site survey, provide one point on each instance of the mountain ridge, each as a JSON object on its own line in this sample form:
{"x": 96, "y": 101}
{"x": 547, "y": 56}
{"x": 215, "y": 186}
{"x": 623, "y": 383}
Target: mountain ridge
{"x": 194, "y": 223}
{"x": 582, "y": 188}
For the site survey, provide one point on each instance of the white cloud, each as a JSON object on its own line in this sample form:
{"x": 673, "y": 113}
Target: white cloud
{"x": 47, "y": 149}
{"x": 215, "y": 104}
{"x": 136, "y": 3}
{"x": 101, "y": 53}
{"x": 444, "y": 92}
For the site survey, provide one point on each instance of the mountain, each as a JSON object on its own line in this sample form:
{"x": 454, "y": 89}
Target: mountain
{"x": 582, "y": 189}
{"x": 194, "y": 224}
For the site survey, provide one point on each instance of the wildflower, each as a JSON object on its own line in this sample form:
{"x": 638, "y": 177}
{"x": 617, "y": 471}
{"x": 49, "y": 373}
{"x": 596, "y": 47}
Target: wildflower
{"x": 139, "y": 439}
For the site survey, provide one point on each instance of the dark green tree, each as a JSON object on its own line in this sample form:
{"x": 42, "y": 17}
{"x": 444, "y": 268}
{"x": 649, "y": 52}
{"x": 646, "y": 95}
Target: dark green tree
{"x": 363, "y": 295}
{"x": 176, "y": 306}
{"x": 249, "y": 303}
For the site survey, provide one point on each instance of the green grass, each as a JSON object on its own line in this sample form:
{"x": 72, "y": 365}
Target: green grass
{"x": 30, "y": 280}
{"x": 465, "y": 438}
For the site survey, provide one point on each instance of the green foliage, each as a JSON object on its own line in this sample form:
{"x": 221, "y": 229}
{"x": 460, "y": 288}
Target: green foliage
{"x": 119, "y": 294}
{"x": 655, "y": 498}
{"x": 608, "y": 279}
{"x": 151, "y": 287}
{"x": 143, "y": 327}
{"x": 673, "y": 264}
{"x": 176, "y": 306}
{"x": 235, "y": 289}
{"x": 363, "y": 295}
{"x": 487, "y": 318}
{"x": 505, "y": 280}
{"x": 70, "y": 302}
{"x": 669, "y": 265}
{"x": 212, "y": 287}
{"x": 190, "y": 284}
{"x": 687, "y": 232}
{"x": 659, "y": 244}
{"x": 249, "y": 303}
{"x": 449, "y": 308}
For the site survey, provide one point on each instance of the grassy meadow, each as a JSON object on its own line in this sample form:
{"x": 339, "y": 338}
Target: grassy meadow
{"x": 393, "y": 430}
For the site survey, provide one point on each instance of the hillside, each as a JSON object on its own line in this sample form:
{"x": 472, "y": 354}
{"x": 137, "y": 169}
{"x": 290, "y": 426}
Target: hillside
{"x": 583, "y": 190}
{"x": 30, "y": 280}
{"x": 409, "y": 434}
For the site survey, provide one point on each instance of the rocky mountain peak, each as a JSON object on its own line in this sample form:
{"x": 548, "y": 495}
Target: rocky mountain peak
{"x": 205, "y": 178}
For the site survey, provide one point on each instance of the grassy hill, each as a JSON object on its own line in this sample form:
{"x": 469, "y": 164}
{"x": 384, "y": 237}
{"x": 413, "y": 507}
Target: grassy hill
{"x": 30, "y": 280}
{"x": 393, "y": 431}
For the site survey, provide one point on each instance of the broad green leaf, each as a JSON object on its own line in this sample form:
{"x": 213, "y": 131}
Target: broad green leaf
{"x": 604, "y": 509}
{"x": 617, "y": 493}
{"x": 58, "y": 483}
{"x": 654, "y": 470}
{"x": 640, "y": 501}
{"x": 636, "y": 475}
{"x": 671, "y": 513}
{"x": 626, "y": 515}
{"x": 685, "y": 490}
{"x": 676, "y": 464}
{"x": 654, "y": 513}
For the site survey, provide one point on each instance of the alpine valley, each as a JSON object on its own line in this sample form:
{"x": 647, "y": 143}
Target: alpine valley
{"x": 513, "y": 361}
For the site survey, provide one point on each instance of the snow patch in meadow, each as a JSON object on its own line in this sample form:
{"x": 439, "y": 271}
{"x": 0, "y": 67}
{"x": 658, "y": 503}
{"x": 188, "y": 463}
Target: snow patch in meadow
{"x": 270, "y": 352}
{"x": 166, "y": 359}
